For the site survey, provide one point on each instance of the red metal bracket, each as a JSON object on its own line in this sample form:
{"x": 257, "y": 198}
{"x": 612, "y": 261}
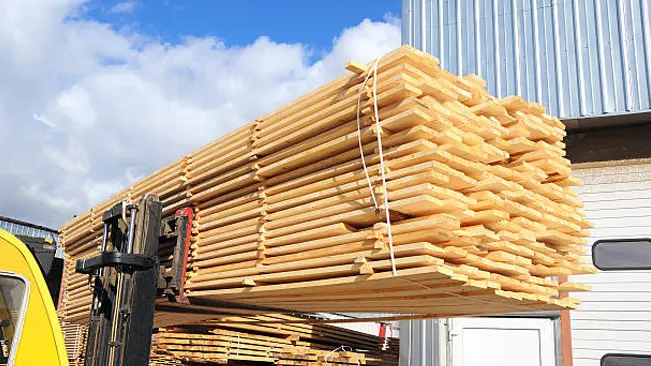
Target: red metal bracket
{"x": 189, "y": 212}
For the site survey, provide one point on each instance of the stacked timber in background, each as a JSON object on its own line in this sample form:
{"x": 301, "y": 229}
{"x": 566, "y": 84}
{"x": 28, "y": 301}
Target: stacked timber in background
{"x": 271, "y": 339}
{"x": 74, "y": 337}
{"x": 243, "y": 340}
{"x": 479, "y": 192}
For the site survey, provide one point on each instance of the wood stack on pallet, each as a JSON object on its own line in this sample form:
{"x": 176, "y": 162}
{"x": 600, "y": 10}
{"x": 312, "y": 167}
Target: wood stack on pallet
{"x": 243, "y": 340}
{"x": 290, "y": 209}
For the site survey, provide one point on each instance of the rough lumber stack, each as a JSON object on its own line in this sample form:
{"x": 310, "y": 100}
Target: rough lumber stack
{"x": 279, "y": 344}
{"x": 293, "y": 327}
{"x": 241, "y": 340}
{"x": 290, "y": 209}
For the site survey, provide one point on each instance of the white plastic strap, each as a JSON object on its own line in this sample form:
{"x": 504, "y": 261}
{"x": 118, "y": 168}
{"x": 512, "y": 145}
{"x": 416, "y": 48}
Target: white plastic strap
{"x": 345, "y": 349}
{"x": 376, "y": 113}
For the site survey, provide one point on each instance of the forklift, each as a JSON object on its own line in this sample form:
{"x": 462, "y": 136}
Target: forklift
{"x": 128, "y": 284}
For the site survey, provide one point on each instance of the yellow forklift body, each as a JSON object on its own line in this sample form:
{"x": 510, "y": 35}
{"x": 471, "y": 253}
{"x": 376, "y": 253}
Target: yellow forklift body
{"x": 40, "y": 341}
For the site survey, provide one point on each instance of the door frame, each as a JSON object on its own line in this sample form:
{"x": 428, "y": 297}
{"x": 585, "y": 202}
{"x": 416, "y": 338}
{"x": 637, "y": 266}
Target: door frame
{"x": 548, "y": 326}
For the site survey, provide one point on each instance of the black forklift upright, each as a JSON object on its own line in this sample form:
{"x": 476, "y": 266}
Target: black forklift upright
{"x": 142, "y": 304}
{"x": 125, "y": 285}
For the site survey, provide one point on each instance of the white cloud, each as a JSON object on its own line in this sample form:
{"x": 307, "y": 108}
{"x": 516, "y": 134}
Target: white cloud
{"x": 71, "y": 160}
{"x": 123, "y": 7}
{"x": 43, "y": 120}
{"x": 86, "y": 109}
{"x": 38, "y": 193}
{"x": 99, "y": 191}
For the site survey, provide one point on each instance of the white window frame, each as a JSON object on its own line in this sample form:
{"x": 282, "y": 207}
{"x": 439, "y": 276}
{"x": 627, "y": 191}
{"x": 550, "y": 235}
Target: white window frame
{"x": 18, "y": 329}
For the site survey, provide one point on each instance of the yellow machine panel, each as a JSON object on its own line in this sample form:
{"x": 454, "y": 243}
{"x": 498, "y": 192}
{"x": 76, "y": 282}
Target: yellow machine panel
{"x": 30, "y": 333}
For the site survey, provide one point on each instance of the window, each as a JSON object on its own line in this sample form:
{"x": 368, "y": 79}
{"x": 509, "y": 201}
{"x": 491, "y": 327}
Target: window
{"x": 14, "y": 292}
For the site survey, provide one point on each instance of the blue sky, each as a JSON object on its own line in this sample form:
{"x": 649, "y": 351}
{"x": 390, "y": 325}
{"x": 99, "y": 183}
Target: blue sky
{"x": 127, "y": 72}
{"x": 312, "y": 22}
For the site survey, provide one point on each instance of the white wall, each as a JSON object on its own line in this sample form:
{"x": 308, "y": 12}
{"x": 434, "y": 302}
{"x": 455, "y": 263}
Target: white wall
{"x": 616, "y": 315}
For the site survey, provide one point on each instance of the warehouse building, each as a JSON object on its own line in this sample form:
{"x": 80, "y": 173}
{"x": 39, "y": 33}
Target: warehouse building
{"x": 589, "y": 63}
{"x": 19, "y": 227}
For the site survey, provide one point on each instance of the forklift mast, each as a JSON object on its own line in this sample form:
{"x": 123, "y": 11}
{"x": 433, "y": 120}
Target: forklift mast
{"x": 126, "y": 278}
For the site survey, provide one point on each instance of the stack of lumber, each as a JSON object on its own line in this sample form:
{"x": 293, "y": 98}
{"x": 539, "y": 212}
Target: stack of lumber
{"x": 275, "y": 339}
{"x": 295, "y": 328}
{"x": 239, "y": 340}
{"x": 290, "y": 208}
{"x": 477, "y": 189}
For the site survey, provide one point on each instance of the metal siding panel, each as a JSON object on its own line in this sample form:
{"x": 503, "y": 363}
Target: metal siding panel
{"x": 548, "y": 43}
{"x": 570, "y": 61}
{"x": 440, "y": 32}
{"x": 508, "y": 61}
{"x": 501, "y": 40}
{"x": 638, "y": 54}
{"x": 607, "y": 65}
{"x": 425, "y": 25}
{"x": 645, "y": 24}
{"x": 614, "y": 316}
{"x": 617, "y": 59}
{"x": 590, "y": 56}
{"x": 579, "y": 58}
{"x": 526, "y": 48}
{"x": 406, "y": 26}
{"x": 488, "y": 57}
{"x": 446, "y": 47}
{"x": 557, "y": 75}
{"x": 537, "y": 50}
{"x": 529, "y": 55}
{"x": 477, "y": 43}
{"x": 494, "y": 37}
{"x": 451, "y": 37}
{"x": 516, "y": 49}
{"x": 420, "y": 344}
{"x": 458, "y": 29}
{"x": 468, "y": 40}
{"x": 631, "y": 66}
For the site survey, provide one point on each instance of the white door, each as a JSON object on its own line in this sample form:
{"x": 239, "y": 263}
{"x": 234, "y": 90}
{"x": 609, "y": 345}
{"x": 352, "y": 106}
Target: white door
{"x": 502, "y": 342}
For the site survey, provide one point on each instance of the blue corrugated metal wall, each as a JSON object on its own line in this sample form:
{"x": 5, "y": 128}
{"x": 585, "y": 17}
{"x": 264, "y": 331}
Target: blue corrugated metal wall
{"x": 579, "y": 58}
